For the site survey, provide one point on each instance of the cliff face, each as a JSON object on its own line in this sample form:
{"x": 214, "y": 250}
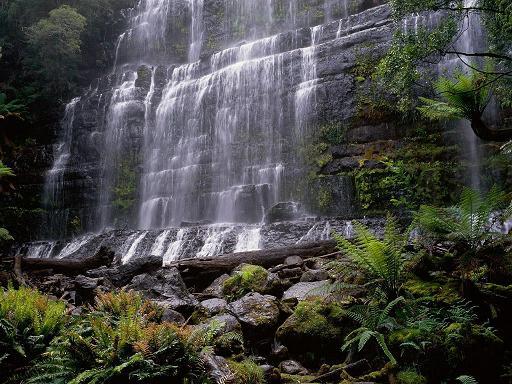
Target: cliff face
{"x": 206, "y": 114}
{"x": 216, "y": 110}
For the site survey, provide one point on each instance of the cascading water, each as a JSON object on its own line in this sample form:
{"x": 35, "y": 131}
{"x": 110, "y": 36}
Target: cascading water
{"x": 199, "y": 122}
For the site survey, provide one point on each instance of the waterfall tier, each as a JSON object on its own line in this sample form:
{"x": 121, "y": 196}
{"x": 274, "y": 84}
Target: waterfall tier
{"x": 204, "y": 115}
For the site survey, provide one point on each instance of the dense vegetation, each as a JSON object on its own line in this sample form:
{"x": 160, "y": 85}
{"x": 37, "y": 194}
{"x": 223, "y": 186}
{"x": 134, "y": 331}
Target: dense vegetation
{"x": 39, "y": 39}
{"x": 430, "y": 305}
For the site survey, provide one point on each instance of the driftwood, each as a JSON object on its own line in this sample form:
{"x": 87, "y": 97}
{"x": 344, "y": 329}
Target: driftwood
{"x": 204, "y": 268}
{"x": 103, "y": 257}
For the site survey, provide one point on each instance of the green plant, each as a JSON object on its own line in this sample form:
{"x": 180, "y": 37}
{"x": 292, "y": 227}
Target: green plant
{"x": 28, "y": 323}
{"x": 373, "y": 321}
{"x": 248, "y": 278}
{"x": 383, "y": 260}
{"x": 120, "y": 340}
{"x": 465, "y": 379}
{"x": 246, "y": 372}
{"x": 472, "y": 225}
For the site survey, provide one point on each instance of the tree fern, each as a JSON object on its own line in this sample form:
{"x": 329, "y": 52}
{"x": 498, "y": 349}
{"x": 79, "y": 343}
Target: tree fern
{"x": 382, "y": 259}
{"x": 472, "y": 224}
{"x": 463, "y": 97}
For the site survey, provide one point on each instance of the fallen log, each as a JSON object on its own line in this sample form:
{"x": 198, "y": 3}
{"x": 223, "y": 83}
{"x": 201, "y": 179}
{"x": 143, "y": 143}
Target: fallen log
{"x": 204, "y": 268}
{"x": 104, "y": 257}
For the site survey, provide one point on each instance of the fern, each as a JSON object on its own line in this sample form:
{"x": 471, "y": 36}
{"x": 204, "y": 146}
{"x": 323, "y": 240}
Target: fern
{"x": 471, "y": 225}
{"x": 463, "y": 98}
{"x": 383, "y": 260}
{"x": 465, "y": 379}
{"x": 373, "y": 321}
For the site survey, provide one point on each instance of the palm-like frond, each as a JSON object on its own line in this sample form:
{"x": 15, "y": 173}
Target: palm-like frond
{"x": 465, "y": 379}
{"x": 464, "y": 96}
{"x": 471, "y": 222}
{"x": 373, "y": 321}
{"x": 383, "y": 260}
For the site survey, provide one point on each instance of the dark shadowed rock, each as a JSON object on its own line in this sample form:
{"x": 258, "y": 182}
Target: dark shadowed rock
{"x": 286, "y": 211}
{"x": 215, "y": 288}
{"x": 166, "y": 286}
{"x": 295, "y": 261}
{"x": 292, "y": 367}
{"x": 312, "y": 275}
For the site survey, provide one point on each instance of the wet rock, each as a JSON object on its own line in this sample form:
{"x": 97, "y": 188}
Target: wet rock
{"x": 286, "y": 211}
{"x": 166, "y": 286}
{"x": 229, "y": 323}
{"x": 256, "y": 312}
{"x": 292, "y": 367}
{"x": 212, "y": 307}
{"x": 271, "y": 374}
{"x": 217, "y": 367}
{"x": 293, "y": 261}
{"x": 215, "y": 288}
{"x": 290, "y": 273}
{"x": 170, "y": 315}
{"x": 313, "y": 275}
{"x": 301, "y": 291}
{"x": 250, "y": 278}
{"x": 279, "y": 352}
{"x": 317, "y": 327}
{"x": 358, "y": 368}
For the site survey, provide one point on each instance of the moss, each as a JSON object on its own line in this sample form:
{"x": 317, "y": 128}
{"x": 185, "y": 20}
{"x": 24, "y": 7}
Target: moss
{"x": 405, "y": 335}
{"x": 247, "y": 372}
{"x": 410, "y": 376}
{"x": 315, "y": 330}
{"x": 249, "y": 278}
{"x": 445, "y": 292}
{"x": 296, "y": 379}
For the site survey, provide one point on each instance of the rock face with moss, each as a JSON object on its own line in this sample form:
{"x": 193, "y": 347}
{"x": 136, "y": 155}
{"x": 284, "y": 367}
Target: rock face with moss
{"x": 315, "y": 327}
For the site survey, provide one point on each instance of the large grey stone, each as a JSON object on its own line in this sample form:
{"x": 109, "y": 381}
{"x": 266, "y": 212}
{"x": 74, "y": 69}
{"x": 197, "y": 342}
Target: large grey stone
{"x": 301, "y": 291}
{"x": 256, "y": 311}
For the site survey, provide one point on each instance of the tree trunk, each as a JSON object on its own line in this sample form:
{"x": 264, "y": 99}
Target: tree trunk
{"x": 484, "y": 132}
{"x": 103, "y": 257}
{"x": 206, "y": 268}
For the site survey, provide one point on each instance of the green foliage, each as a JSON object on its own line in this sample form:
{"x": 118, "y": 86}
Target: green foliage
{"x": 410, "y": 376}
{"x": 373, "y": 321}
{"x": 382, "y": 260}
{"x": 465, "y": 96}
{"x": 246, "y": 372}
{"x": 249, "y": 278}
{"x": 5, "y": 170}
{"x": 54, "y": 43}
{"x": 28, "y": 323}
{"x": 126, "y": 187}
{"x": 471, "y": 224}
{"x": 465, "y": 379}
{"x": 13, "y": 108}
{"x": 120, "y": 340}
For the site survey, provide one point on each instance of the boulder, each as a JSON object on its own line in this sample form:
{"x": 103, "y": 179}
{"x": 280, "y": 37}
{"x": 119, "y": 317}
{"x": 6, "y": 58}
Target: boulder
{"x": 292, "y": 367}
{"x": 217, "y": 368}
{"x": 286, "y": 211}
{"x": 213, "y": 307}
{"x": 257, "y": 313}
{"x": 303, "y": 290}
{"x": 215, "y": 288}
{"x": 250, "y": 278}
{"x": 166, "y": 286}
{"x": 316, "y": 328}
{"x": 312, "y": 275}
{"x": 295, "y": 261}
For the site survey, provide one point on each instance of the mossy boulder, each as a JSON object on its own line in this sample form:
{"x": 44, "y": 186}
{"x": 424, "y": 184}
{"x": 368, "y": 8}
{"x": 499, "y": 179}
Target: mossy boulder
{"x": 316, "y": 328}
{"x": 474, "y": 349}
{"x": 440, "y": 290}
{"x": 249, "y": 278}
{"x": 410, "y": 376}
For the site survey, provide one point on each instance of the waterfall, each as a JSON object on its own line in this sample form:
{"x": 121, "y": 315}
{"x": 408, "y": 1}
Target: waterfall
{"x": 53, "y": 194}
{"x": 201, "y": 118}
